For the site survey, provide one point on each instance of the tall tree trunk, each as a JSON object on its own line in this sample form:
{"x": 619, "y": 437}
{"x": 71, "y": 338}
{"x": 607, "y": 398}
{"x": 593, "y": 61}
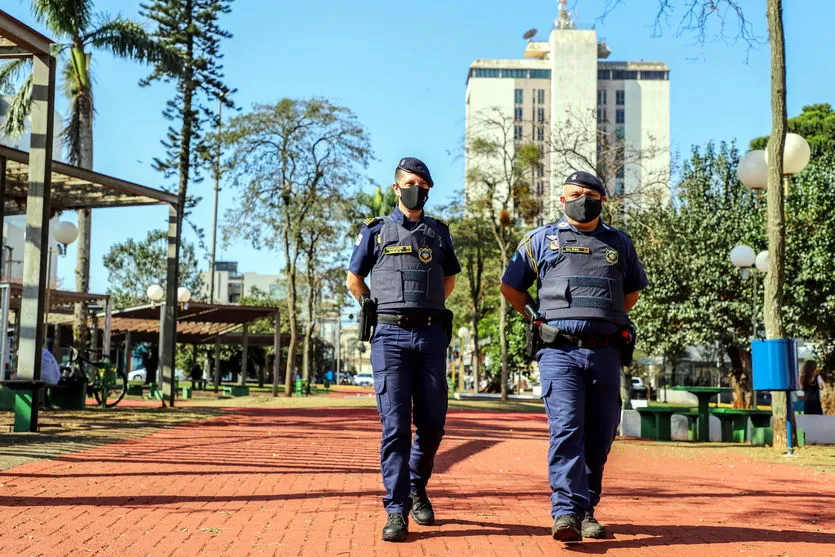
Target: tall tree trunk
{"x": 475, "y": 362}
{"x": 291, "y": 317}
{"x": 740, "y": 377}
{"x": 776, "y": 227}
{"x": 503, "y": 329}
{"x": 84, "y": 105}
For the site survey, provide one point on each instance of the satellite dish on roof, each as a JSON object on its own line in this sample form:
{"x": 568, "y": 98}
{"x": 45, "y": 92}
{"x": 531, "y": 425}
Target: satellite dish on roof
{"x": 529, "y": 34}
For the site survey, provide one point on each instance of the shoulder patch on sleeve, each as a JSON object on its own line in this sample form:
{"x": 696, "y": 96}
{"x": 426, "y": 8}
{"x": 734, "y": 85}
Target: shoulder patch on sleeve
{"x": 371, "y": 220}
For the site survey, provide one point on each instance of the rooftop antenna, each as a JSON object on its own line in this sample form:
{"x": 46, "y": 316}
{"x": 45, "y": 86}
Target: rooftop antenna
{"x": 529, "y": 34}
{"x": 564, "y": 21}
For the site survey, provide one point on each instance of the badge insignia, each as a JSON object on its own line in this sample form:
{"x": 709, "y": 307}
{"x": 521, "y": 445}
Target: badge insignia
{"x": 359, "y": 240}
{"x": 611, "y": 256}
{"x": 552, "y": 237}
{"x": 554, "y": 245}
{"x": 425, "y": 255}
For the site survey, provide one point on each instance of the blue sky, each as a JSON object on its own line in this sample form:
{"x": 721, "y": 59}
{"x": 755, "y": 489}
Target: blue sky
{"x": 401, "y": 67}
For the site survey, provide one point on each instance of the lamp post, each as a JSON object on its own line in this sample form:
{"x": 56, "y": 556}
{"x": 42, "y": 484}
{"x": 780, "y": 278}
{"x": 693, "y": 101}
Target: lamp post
{"x": 463, "y": 337}
{"x": 796, "y": 154}
{"x": 65, "y": 233}
{"x": 743, "y": 258}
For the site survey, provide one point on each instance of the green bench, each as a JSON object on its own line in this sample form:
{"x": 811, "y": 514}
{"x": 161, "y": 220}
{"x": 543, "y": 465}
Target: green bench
{"x": 656, "y": 420}
{"x": 235, "y": 390}
{"x": 734, "y": 422}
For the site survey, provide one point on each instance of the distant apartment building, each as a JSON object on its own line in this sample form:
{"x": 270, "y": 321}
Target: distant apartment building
{"x": 230, "y": 285}
{"x": 585, "y": 113}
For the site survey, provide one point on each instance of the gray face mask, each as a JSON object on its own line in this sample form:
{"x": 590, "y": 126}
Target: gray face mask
{"x": 413, "y": 198}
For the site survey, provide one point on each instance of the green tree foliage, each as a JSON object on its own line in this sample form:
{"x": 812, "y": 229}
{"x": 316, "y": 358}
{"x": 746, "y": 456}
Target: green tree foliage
{"x": 190, "y": 28}
{"x": 133, "y": 266}
{"x": 816, "y": 123}
{"x": 696, "y": 296}
{"x": 810, "y": 288}
{"x": 289, "y": 160}
{"x": 500, "y": 193}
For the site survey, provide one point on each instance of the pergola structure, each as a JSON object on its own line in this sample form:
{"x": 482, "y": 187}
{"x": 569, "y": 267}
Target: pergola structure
{"x": 200, "y": 323}
{"x": 49, "y": 187}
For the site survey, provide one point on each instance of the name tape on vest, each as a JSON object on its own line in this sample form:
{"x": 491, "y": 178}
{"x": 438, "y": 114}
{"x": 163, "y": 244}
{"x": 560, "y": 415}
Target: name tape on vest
{"x": 575, "y": 249}
{"x": 396, "y": 250}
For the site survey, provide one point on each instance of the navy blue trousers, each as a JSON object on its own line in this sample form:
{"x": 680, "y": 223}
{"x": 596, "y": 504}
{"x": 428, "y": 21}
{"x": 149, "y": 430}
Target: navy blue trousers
{"x": 581, "y": 391}
{"x": 409, "y": 371}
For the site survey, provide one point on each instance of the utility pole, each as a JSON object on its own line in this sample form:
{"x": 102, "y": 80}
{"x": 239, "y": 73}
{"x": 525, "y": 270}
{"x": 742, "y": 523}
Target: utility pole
{"x": 214, "y": 214}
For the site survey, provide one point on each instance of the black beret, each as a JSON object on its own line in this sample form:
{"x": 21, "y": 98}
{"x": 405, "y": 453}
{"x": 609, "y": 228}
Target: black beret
{"x": 586, "y": 180}
{"x": 416, "y": 166}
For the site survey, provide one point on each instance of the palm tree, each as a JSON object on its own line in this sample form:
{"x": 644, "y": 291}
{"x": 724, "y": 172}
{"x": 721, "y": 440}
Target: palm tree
{"x": 78, "y": 31}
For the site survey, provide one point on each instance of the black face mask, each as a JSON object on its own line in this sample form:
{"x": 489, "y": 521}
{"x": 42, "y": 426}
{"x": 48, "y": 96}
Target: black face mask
{"x": 414, "y": 198}
{"x": 583, "y": 209}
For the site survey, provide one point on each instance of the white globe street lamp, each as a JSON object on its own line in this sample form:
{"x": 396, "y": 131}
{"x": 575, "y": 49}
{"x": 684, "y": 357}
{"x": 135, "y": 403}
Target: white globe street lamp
{"x": 155, "y": 292}
{"x": 743, "y": 258}
{"x": 761, "y": 261}
{"x": 183, "y": 295}
{"x": 65, "y": 233}
{"x": 753, "y": 170}
{"x": 796, "y": 154}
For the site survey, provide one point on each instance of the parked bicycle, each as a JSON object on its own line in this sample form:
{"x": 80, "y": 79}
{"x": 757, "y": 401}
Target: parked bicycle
{"x": 104, "y": 380}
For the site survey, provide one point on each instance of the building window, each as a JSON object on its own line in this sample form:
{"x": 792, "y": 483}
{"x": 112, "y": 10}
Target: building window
{"x": 485, "y": 72}
{"x": 517, "y": 96}
{"x": 540, "y": 189}
{"x": 516, "y": 74}
{"x": 540, "y": 114}
{"x": 602, "y": 74}
{"x": 601, "y": 115}
{"x": 620, "y": 97}
{"x": 517, "y": 114}
{"x": 624, "y": 74}
{"x": 540, "y": 170}
{"x": 619, "y": 132}
{"x": 619, "y": 173}
{"x": 540, "y": 95}
{"x": 655, "y": 74}
{"x": 540, "y": 133}
{"x": 619, "y": 116}
{"x": 517, "y": 132}
{"x": 540, "y": 74}
{"x": 619, "y": 189}
{"x": 601, "y": 96}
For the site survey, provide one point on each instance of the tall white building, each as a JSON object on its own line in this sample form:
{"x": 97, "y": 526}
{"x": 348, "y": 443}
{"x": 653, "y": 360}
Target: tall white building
{"x": 586, "y": 113}
{"x": 230, "y": 285}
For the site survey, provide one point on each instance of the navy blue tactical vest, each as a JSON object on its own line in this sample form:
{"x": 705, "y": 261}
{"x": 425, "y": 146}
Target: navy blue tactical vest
{"x": 585, "y": 281}
{"x": 408, "y": 273}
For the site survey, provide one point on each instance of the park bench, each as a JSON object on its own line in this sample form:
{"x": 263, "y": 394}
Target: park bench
{"x": 235, "y": 390}
{"x": 734, "y": 422}
{"x": 24, "y": 393}
{"x": 656, "y": 420}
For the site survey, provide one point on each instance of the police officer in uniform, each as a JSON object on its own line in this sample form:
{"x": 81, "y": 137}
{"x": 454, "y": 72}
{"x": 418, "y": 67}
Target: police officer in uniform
{"x": 588, "y": 277}
{"x": 413, "y": 268}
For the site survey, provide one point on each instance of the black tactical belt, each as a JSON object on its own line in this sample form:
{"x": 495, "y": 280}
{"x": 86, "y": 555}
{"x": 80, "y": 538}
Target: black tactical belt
{"x": 410, "y": 320}
{"x": 588, "y": 341}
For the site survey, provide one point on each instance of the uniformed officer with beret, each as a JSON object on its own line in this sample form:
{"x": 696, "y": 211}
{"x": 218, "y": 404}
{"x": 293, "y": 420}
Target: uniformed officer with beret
{"x": 588, "y": 277}
{"x": 413, "y": 266}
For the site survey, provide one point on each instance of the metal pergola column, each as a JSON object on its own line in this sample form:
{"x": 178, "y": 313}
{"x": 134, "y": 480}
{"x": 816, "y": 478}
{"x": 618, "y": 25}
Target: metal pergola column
{"x": 37, "y": 238}
{"x": 168, "y": 323}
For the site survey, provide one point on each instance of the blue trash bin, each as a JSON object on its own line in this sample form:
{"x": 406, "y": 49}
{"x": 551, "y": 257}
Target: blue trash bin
{"x": 775, "y": 364}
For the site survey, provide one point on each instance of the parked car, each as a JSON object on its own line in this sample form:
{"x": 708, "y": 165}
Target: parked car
{"x": 363, "y": 379}
{"x": 639, "y": 390}
{"x": 140, "y": 375}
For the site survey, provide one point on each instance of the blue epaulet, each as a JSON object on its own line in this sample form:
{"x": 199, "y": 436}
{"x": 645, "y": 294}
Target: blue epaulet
{"x": 371, "y": 220}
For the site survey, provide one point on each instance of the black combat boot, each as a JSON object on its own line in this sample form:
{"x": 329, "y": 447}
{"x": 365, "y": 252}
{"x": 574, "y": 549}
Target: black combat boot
{"x": 566, "y": 528}
{"x": 591, "y": 528}
{"x": 422, "y": 510}
{"x": 396, "y": 528}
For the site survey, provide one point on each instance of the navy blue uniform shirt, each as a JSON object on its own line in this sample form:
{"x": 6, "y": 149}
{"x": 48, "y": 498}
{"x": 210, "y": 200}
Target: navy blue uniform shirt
{"x": 366, "y": 248}
{"x": 535, "y": 253}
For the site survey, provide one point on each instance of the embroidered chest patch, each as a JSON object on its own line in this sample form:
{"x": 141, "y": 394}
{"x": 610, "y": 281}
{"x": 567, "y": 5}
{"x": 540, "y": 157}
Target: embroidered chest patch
{"x": 425, "y": 255}
{"x": 611, "y": 256}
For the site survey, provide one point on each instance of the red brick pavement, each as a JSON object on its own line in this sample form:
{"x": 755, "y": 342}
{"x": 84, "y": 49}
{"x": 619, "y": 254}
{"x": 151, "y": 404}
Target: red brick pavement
{"x": 306, "y": 482}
